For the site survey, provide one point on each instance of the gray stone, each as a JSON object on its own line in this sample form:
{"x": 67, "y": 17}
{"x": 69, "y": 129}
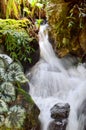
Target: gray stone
{"x": 58, "y": 125}
{"x": 60, "y": 111}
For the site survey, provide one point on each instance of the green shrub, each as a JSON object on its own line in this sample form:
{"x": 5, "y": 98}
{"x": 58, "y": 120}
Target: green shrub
{"x": 18, "y": 39}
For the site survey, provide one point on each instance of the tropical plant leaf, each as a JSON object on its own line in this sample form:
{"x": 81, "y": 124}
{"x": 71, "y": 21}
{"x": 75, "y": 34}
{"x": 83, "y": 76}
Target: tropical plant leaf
{"x": 7, "y": 59}
{"x": 2, "y": 63}
{"x": 3, "y": 107}
{"x": 7, "y": 92}
{"x": 16, "y": 117}
{"x": 11, "y": 76}
{"x": 2, "y": 119}
{"x": 2, "y": 74}
{"x": 20, "y": 77}
{"x": 27, "y": 10}
{"x": 15, "y": 67}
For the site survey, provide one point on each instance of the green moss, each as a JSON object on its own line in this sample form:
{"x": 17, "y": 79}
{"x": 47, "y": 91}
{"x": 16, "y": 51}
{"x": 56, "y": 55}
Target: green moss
{"x": 13, "y": 24}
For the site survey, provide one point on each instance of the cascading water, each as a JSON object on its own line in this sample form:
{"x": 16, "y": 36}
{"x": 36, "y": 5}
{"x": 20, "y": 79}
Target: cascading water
{"x": 53, "y": 80}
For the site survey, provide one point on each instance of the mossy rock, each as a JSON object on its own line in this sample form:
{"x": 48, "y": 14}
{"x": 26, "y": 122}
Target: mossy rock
{"x": 67, "y": 22}
{"x": 17, "y": 37}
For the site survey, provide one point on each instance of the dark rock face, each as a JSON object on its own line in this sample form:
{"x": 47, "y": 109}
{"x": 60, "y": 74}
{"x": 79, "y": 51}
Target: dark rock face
{"x": 60, "y": 113}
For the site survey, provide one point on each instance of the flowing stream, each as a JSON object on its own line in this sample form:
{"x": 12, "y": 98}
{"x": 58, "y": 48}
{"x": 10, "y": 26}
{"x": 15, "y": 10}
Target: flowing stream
{"x": 54, "y": 80}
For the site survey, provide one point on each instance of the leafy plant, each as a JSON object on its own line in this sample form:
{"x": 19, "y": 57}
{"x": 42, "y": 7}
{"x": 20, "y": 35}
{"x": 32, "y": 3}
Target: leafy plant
{"x": 12, "y": 7}
{"x": 7, "y": 91}
{"x": 12, "y": 113}
{"x": 15, "y": 118}
{"x": 12, "y": 73}
{"x": 11, "y": 78}
{"x": 3, "y": 107}
{"x": 17, "y": 42}
{"x": 2, "y": 119}
{"x": 70, "y": 23}
{"x": 38, "y": 22}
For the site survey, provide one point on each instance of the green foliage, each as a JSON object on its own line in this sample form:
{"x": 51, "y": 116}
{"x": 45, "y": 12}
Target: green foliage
{"x": 69, "y": 25}
{"x": 12, "y": 73}
{"x": 15, "y": 118}
{"x": 11, "y": 78}
{"x": 7, "y": 91}
{"x": 38, "y": 22}
{"x": 17, "y": 39}
{"x": 3, "y": 107}
{"x": 18, "y": 42}
{"x": 11, "y": 24}
{"x": 26, "y": 96}
{"x": 2, "y": 63}
{"x": 36, "y": 7}
{"x": 11, "y": 6}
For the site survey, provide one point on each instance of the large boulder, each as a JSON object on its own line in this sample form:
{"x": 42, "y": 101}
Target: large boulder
{"x": 60, "y": 113}
{"x": 67, "y": 26}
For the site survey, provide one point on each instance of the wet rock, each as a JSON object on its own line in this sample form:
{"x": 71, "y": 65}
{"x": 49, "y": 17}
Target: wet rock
{"x": 58, "y": 125}
{"x": 60, "y": 111}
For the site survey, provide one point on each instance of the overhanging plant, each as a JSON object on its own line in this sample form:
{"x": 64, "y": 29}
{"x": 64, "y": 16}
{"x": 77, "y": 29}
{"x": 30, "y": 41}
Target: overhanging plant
{"x": 17, "y": 42}
{"x": 17, "y": 36}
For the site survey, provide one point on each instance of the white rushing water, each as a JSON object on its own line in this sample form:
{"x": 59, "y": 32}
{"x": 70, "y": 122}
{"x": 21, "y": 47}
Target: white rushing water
{"x": 54, "y": 80}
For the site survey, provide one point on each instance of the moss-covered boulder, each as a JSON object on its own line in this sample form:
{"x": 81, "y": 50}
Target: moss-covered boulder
{"x": 67, "y": 20}
{"x": 19, "y": 40}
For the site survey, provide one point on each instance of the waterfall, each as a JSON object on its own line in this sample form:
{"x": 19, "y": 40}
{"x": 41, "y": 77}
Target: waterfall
{"x": 54, "y": 80}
